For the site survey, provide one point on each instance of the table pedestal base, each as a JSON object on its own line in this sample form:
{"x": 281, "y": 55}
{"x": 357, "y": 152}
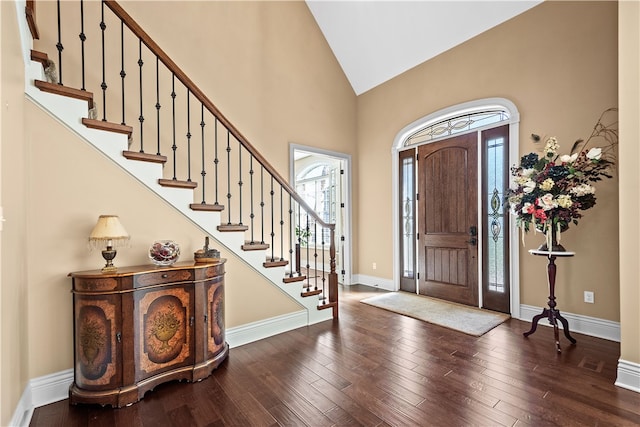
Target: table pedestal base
{"x": 553, "y": 315}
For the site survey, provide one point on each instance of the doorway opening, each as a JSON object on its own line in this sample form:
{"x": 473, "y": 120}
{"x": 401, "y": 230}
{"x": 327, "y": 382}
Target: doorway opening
{"x": 323, "y": 179}
{"x": 454, "y": 237}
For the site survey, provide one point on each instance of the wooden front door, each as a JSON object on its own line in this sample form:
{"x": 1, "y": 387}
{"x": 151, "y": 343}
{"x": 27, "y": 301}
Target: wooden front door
{"x": 447, "y": 219}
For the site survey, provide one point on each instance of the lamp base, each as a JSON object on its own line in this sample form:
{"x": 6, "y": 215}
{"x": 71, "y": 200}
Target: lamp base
{"x": 109, "y": 254}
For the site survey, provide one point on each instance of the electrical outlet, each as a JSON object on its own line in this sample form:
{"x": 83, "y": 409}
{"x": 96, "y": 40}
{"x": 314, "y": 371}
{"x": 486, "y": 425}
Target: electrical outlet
{"x": 588, "y": 297}
{"x": 374, "y": 266}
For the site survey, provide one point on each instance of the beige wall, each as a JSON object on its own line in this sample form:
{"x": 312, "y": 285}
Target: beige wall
{"x": 266, "y": 65}
{"x": 13, "y": 179}
{"x": 629, "y": 62}
{"x": 81, "y": 191}
{"x": 558, "y": 63}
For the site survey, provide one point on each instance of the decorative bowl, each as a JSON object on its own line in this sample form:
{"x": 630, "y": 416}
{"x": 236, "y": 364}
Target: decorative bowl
{"x": 164, "y": 252}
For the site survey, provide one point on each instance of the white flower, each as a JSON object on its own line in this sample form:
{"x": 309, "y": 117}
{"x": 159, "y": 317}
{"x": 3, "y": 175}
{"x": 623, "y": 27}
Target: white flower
{"x": 564, "y": 201}
{"x": 527, "y": 172}
{"x": 529, "y": 186}
{"x": 565, "y": 158}
{"x": 594, "y": 154}
{"x": 551, "y": 146}
{"x": 546, "y": 202}
{"x": 526, "y": 208}
{"x": 583, "y": 190}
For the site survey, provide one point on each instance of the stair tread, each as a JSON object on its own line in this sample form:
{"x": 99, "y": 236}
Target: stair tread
{"x": 294, "y": 279}
{"x": 206, "y": 207}
{"x": 305, "y": 294}
{"x": 232, "y": 227}
{"x": 40, "y": 57}
{"x": 144, "y": 157}
{"x": 65, "y": 91}
{"x": 274, "y": 263}
{"x": 322, "y": 305}
{"x": 108, "y": 126}
{"x": 176, "y": 183}
{"x": 254, "y": 246}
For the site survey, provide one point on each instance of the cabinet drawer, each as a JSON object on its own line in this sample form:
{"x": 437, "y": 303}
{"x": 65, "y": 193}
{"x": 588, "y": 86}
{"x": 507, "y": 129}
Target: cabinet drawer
{"x": 95, "y": 284}
{"x": 162, "y": 277}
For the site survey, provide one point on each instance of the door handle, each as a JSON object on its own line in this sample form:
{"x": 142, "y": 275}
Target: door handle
{"x": 473, "y": 232}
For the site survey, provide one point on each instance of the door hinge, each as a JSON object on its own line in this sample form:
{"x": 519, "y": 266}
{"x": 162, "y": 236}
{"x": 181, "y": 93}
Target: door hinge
{"x": 343, "y": 272}
{"x": 342, "y": 238}
{"x": 417, "y": 157}
{"x": 341, "y": 171}
{"x": 418, "y": 275}
{"x": 342, "y": 205}
{"x": 417, "y": 196}
{"x": 417, "y": 236}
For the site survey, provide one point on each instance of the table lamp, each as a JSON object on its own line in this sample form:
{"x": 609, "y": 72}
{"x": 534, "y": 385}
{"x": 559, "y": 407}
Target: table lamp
{"x": 108, "y": 231}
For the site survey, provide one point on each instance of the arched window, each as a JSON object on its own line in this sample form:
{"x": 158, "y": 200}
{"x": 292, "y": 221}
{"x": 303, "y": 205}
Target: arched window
{"x": 457, "y": 124}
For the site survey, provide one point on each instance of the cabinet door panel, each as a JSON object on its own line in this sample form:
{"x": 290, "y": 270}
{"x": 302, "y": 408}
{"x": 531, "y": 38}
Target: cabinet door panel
{"x": 215, "y": 317}
{"x": 164, "y": 327}
{"x": 97, "y": 332}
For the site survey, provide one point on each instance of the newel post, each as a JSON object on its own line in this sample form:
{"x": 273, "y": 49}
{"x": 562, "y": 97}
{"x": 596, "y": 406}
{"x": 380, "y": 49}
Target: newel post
{"x": 333, "y": 276}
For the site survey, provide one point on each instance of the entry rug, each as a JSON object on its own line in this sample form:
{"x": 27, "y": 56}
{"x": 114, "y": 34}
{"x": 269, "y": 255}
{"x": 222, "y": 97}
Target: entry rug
{"x": 470, "y": 320}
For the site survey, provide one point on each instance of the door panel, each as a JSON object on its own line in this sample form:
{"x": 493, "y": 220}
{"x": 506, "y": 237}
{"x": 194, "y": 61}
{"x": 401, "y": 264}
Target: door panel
{"x": 447, "y": 219}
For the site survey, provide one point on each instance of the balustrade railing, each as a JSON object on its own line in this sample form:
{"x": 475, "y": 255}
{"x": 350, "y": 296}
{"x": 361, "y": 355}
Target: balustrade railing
{"x": 115, "y": 44}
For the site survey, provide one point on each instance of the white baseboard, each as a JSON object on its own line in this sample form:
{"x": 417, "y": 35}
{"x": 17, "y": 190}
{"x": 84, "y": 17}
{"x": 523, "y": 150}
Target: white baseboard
{"x": 587, "y": 325}
{"x": 41, "y": 391}
{"x": 375, "y": 282}
{"x": 628, "y": 375}
{"x": 250, "y": 332}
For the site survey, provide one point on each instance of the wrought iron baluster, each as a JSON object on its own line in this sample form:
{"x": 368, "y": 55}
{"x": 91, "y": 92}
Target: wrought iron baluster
{"x": 216, "y": 161}
{"x": 308, "y": 266}
{"x": 60, "y": 47}
{"x": 141, "y": 118}
{"x": 83, "y": 38}
{"x": 123, "y": 74}
{"x": 262, "y": 204}
{"x": 174, "y": 147}
{"x": 228, "y": 178}
{"x": 291, "y": 235}
{"x": 272, "y": 234}
{"x": 158, "y": 106}
{"x": 315, "y": 254}
{"x": 299, "y": 236}
{"x": 240, "y": 182}
{"x": 324, "y": 293}
{"x": 103, "y": 85}
{"x": 188, "y": 135}
{"x": 252, "y": 215}
{"x": 204, "y": 172}
{"x": 281, "y": 225}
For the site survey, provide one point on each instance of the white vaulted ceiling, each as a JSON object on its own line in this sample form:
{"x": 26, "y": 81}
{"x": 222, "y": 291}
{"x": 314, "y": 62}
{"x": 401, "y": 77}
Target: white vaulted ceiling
{"x": 375, "y": 41}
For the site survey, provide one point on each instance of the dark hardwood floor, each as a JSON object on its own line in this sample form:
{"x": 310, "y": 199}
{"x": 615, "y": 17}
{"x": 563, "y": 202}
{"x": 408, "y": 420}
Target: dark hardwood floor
{"x": 377, "y": 368}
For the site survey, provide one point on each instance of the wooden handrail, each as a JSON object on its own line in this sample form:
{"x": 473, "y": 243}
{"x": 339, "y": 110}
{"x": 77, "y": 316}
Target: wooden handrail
{"x": 195, "y": 90}
{"x": 30, "y": 12}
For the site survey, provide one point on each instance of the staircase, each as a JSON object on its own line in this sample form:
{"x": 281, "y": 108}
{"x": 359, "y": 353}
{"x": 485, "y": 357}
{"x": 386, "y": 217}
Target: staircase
{"x": 255, "y": 209}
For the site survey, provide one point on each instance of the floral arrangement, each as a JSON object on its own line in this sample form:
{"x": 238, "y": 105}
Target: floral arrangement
{"x": 551, "y": 190}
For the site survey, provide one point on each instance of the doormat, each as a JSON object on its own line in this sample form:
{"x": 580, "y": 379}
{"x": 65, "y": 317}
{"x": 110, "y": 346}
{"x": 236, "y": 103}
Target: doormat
{"x": 470, "y": 320}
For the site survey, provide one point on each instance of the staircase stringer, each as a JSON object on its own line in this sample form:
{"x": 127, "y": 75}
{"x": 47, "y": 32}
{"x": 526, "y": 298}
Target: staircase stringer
{"x": 69, "y": 112}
